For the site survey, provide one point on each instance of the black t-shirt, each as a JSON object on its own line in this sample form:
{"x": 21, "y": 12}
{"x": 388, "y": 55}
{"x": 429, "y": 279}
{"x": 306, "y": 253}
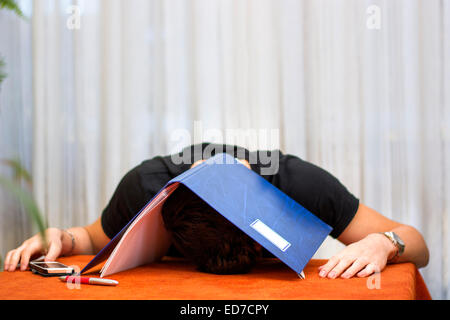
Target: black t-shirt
{"x": 312, "y": 187}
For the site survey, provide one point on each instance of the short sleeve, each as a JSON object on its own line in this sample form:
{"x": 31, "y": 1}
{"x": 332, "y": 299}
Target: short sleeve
{"x": 318, "y": 191}
{"x": 125, "y": 203}
{"x": 134, "y": 191}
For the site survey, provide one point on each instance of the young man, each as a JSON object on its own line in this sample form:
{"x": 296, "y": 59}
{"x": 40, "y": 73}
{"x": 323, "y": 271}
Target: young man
{"x": 203, "y": 236}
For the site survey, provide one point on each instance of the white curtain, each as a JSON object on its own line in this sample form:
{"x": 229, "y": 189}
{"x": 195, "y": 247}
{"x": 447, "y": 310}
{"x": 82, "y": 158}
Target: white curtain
{"x": 16, "y": 122}
{"x": 360, "y": 88}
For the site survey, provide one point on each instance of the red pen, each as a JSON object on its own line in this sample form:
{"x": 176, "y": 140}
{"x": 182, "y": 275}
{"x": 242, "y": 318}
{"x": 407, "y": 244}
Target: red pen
{"x": 88, "y": 280}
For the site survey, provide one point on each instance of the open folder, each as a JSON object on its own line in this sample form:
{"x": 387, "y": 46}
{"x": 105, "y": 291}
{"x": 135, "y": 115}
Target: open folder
{"x": 266, "y": 214}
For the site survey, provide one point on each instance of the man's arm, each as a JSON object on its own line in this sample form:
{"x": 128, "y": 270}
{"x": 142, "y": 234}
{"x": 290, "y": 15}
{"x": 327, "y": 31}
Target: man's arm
{"x": 74, "y": 241}
{"x": 97, "y": 236}
{"x": 368, "y": 251}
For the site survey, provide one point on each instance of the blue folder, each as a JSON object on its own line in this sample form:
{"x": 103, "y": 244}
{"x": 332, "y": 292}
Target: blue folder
{"x": 266, "y": 214}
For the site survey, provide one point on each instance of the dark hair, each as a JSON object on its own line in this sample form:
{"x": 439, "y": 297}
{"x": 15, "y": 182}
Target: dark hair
{"x": 205, "y": 237}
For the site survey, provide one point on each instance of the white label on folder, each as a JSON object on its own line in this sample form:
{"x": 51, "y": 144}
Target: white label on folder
{"x": 270, "y": 235}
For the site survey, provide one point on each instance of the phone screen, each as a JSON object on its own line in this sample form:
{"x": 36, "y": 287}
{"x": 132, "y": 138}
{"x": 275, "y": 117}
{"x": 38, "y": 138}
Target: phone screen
{"x": 51, "y": 265}
{"x": 50, "y": 268}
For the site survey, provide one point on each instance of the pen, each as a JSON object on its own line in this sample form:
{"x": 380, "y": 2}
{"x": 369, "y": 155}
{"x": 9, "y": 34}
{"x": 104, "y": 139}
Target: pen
{"x": 88, "y": 280}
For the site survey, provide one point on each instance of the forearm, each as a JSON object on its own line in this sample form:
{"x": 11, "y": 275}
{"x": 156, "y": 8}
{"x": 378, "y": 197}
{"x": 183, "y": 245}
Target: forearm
{"x": 81, "y": 244}
{"x": 367, "y": 250}
{"x": 416, "y": 250}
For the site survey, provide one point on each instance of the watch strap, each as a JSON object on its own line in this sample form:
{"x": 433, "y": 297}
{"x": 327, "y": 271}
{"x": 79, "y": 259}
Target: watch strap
{"x": 391, "y": 236}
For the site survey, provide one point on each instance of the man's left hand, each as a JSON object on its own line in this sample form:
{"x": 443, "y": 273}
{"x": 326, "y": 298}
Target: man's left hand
{"x": 361, "y": 258}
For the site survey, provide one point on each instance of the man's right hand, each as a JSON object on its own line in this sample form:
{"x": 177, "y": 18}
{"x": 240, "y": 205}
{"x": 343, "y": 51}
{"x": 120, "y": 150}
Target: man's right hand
{"x": 87, "y": 240}
{"x": 34, "y": 246}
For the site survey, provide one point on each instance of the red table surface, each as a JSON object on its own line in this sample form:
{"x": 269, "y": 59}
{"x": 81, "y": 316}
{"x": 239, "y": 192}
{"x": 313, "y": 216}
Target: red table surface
{"x": 176, "y": 279}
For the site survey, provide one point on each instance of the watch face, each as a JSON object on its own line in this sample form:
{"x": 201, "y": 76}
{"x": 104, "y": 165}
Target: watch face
{"x": 399, "y": 241}
{"x": 397, "y": 238}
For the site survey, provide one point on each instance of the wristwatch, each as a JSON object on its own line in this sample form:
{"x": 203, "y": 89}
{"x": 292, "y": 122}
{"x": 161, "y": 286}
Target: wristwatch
{"x": 395, "y": 239}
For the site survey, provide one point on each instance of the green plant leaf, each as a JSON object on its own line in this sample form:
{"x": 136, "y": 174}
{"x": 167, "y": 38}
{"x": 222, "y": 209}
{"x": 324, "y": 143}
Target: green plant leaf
{"x": 19, "y": 171}
{"x": 32, "y": 209}
{"x": 2, "y": 70}
{"x": 30, "y": 206}
{"x": 11, "y": 5}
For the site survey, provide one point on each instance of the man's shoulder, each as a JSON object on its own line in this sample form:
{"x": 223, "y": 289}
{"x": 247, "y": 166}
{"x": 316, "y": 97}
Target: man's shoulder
{"x": 264, "y": 162}
{"x": 160, "y": 165}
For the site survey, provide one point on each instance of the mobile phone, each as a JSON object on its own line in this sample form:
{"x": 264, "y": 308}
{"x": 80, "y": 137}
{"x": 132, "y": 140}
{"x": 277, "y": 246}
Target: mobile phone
{"x": 50, "y": 269}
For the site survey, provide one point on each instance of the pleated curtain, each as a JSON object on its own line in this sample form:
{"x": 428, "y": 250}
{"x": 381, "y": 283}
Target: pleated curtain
{"x": 360, "y": 88}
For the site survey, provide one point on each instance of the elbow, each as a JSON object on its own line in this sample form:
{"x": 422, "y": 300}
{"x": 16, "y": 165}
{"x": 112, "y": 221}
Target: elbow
{"x": 425, "y": 257}
{"x": 418, "y": 252}
{"x": 424, "y": 253}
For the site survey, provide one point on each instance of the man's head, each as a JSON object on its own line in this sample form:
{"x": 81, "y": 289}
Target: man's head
{"x": 205, "y": 237}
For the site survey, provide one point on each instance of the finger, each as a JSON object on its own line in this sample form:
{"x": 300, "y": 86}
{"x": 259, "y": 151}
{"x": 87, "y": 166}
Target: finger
{"x": 368, "y": 270}
{"x": 26, "y": 254}
{"x": 15, "y": 258}
{"x": 340, "y": 267}
{"x": 328, "y": 266}
{"x": 357, "y": 266}
{"x": 53, "y": 251}
{"x": 8, "y": 260}
{"x": 24, "y": 259}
